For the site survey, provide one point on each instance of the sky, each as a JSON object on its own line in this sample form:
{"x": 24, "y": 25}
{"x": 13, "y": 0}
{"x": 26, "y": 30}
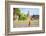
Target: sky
{"x": 32, "y": 11}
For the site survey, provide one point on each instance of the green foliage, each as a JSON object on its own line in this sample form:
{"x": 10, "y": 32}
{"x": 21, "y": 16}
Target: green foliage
{"x": 16, "y": 11}
{"x": 22, "y": 16}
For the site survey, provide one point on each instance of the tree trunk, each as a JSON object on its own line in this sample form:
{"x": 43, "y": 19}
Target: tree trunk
{"x": 29, "y": 24}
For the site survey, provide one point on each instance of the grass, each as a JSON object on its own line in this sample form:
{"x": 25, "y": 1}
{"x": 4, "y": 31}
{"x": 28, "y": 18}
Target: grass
{"x": 26, "y": 22}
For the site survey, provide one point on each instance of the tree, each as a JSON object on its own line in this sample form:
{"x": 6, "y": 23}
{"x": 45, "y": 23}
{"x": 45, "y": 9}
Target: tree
{"x": 29, "y": 18}
{"x": 22, "y": 16}
{"x": 17, "y": 12}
